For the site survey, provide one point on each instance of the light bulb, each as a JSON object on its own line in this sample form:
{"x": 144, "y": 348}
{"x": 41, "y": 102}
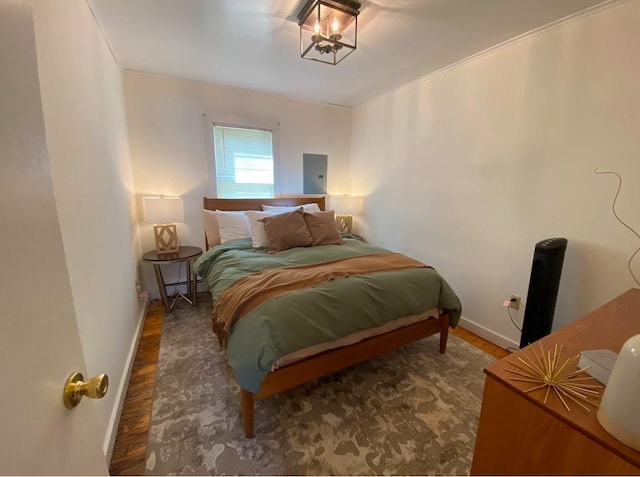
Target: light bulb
{"x": 335, "y": 25}
{"x": 316, "y": 27}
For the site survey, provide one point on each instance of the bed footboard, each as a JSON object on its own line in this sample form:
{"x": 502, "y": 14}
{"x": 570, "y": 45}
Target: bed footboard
{"x": 331, "y": 361}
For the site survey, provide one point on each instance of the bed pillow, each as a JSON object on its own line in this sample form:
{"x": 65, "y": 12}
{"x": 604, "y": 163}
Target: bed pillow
{"x": 256, "y": 227}
{"x": 286, "y": 230}
{"x": 323, "y": 228}
{"x": 211, "y": 228}
{"x": 232, "y": 225}
{"x": 313, "y": 207}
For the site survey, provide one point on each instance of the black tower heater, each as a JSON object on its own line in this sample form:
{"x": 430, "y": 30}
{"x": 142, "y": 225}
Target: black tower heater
{"x": 543, "y": 289}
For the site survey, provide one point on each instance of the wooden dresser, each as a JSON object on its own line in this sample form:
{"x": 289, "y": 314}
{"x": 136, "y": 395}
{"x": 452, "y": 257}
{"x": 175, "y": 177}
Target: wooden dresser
{"x": 520, "y": 434}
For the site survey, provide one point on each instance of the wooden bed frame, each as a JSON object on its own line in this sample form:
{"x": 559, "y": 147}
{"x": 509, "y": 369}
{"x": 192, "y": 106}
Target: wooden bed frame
{"x": 330, "y": 361}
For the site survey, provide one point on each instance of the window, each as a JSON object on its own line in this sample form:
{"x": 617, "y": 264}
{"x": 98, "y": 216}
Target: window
{"x": 242, "y": 157}
{"x": 244, "y": 162}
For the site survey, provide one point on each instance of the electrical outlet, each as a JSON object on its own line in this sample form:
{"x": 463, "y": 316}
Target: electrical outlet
{"x": 514, "y": 302}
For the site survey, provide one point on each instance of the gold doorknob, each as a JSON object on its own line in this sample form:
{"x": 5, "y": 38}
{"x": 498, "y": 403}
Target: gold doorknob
{"x": 75, "y": 387}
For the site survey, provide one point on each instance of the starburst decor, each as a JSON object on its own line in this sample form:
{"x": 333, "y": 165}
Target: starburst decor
{"x": 544, "y": 371}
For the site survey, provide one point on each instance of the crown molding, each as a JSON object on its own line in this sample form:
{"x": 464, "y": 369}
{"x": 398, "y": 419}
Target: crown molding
{"x": 517, "y": 39}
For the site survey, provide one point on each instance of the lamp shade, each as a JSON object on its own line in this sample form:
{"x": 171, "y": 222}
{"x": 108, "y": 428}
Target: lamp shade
{"x": 618, "y": 411}
{"x": 346, "y": 204}
{"x": 163, "y": 210}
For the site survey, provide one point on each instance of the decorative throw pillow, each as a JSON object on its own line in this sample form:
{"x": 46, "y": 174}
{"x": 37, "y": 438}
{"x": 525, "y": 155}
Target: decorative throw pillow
{"x": 232, "y": 225}
{"x": 286, "y": 230}
{"x": 256, "y": 227}
{"x": 323, "y": 228}
{"x": 211, "y": 228}
{"x": 313, "y": 207}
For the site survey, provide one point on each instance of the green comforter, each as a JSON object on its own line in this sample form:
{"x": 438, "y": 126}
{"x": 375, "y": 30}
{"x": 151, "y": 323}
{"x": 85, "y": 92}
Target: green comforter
{"x": 320, "y": 314}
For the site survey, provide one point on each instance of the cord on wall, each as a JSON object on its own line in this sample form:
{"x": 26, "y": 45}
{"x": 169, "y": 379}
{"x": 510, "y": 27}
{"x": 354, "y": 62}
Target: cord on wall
{"x": 613, "y": 208}
{"x": 513, "y": 321}
{"x": 511, "y": 349}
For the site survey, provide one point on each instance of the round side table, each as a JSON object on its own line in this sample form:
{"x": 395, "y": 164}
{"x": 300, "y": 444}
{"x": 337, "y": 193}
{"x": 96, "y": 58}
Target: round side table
{"x": 186, "y": 254}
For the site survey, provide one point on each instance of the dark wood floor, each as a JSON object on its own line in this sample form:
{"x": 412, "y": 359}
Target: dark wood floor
{"x": 130, "y": 448}
{"x": 131, "y": 441}
{"x": 481, "y": 343}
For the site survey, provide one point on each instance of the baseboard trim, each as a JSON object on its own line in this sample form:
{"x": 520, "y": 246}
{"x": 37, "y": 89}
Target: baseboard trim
{"x": 112, "y": 431}
{"x": 495, "y": 338}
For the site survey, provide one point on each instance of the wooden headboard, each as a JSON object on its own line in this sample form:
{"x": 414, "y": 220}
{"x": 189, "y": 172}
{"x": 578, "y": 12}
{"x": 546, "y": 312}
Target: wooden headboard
{"x": 256, "y": 204}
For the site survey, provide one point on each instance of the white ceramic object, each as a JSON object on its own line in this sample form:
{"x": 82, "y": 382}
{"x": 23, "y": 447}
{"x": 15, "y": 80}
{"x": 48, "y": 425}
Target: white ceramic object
{"x": 619, "y": 411}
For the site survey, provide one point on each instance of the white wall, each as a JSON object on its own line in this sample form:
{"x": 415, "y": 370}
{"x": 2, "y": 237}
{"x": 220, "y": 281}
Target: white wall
{"x": 467, "y": 170}
{"x": 85, "y": 122}
{"x": 166, "y": 132}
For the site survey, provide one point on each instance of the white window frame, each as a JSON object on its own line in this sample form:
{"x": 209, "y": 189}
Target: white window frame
{"x": 247, "y": 122}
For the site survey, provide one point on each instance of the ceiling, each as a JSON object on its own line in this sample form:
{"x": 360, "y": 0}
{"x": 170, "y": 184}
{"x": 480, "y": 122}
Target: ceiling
{"x": 254, "y": 44}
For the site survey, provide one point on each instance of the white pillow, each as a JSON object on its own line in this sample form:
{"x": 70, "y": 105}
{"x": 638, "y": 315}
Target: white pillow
{"x": 211, "y": 227}
{"x": 232, "y": 225}
{"x": 313, "y": 207}
{"x": 258, "y": 235}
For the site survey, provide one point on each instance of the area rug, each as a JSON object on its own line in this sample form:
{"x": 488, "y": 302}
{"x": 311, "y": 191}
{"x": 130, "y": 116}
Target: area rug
{"x": 410, "y": 412}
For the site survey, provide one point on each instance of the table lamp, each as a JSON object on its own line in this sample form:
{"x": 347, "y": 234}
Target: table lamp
{"x": 618, "y": 411}
{"x": 345, "y": 206}
{"x": 163, "y": 212}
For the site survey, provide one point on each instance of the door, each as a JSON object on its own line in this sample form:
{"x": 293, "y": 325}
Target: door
{"x": 39, "y": 340}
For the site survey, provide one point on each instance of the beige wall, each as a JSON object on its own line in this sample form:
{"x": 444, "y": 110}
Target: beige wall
{"x": 85, "y": 123}
{"x": 167, "y": 136}
{"x": 469, "y": 169}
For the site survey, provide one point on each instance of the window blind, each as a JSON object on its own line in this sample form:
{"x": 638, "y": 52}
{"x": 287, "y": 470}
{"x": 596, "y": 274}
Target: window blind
{"x": 244, "y": 162}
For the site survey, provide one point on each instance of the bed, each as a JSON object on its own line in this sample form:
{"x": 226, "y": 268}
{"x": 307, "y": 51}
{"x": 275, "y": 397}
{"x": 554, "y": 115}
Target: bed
{"x": 295, "y": 329}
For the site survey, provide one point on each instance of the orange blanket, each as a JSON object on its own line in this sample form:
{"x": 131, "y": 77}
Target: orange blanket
{"x": 248, "y": 293}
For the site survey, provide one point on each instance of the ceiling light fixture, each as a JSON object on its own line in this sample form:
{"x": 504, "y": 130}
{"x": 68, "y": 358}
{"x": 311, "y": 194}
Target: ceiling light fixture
{"x": 328, "y": 30}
